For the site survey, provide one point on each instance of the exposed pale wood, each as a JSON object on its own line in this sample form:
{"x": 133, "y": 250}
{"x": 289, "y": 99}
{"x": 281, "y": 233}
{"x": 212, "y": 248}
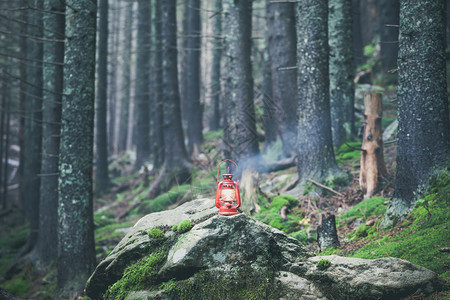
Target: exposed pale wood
{"x": 372, "y": 161}
{"x": 248, "y": 188}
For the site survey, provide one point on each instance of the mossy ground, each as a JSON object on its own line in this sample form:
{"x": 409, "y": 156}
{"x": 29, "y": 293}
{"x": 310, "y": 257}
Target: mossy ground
{"x": 419, "y": 238}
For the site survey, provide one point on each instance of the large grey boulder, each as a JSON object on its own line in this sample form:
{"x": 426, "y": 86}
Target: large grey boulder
{"x": 357, "y": 278}
{"x": 237, "y": 256}
{"x": 136, "y": 244}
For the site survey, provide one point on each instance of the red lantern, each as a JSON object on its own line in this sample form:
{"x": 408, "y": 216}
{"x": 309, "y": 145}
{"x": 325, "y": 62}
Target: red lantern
{"x": 228, "y": 198}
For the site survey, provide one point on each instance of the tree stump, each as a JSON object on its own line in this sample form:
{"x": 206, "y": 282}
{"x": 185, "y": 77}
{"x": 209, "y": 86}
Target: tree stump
{"x": 372, "y": 160}
{"x": 249, "y": 191}
{"x": 326, "y": 233}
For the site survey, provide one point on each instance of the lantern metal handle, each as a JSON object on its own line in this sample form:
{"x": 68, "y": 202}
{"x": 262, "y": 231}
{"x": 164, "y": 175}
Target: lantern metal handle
{"x": 237, "y": 168}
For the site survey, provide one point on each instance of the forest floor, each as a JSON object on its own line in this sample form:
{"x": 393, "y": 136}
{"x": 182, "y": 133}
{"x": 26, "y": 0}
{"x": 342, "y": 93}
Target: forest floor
{"x": 421, "y": 238}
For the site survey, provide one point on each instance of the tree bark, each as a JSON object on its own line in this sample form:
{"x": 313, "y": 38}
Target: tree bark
{"x": 126, "y": 79}
{"x": 326, "y": 233}
{"x": 101, "y": 170}
{"x": 33, "y": 126}
{"x": 142, "y": 95}
{"x": 358, "y": 53}
{"x": 389, "y": 15}
{"x": 176, "y": 168}
{"x": 342, "y": 71}
{"x": 270, "y": 126}
{"x": 158, "y": 129}
{"x": 372, "y": 160}
{"x": 47, "y": 244}
{"x": 282, "y": 49}
{"x": 193, "y": 52}
{"x": 314, "y": 149}
{"x": 76, "y": 249}
{"x": 214, "y": 123}
{"x": 240, "y": 136}
{"x": 423, "y": 115}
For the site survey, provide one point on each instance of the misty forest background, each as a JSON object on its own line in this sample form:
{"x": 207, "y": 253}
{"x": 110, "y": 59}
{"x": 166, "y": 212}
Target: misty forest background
{"x": 111, "y": 110}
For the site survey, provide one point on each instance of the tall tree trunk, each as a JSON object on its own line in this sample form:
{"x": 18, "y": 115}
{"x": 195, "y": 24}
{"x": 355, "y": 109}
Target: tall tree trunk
{"x": 270, "y": 129}
{"x": 195, "y": 108}
{"x": 2, "y": 131}
{"x": 357, "y": 35}
{"x": 369, "y": 20}
{"x": 7, "y": 141}
{"x": 342, "y": 88}
{"x": 423, "y": 115}
{"x": 214, "y": 123}
{"x": 315, "y": 155}
{"x": 22, "y": 101}
{"x": 101, "y": 171}
{"x": 176, "y": 168}
{"x": 282, "y": 47}
{"x": 158, "y": 145}
{"x": 240, "y": 136}
{"x": 113, "y": 64}
{"x": 47, "y": 245}
{"x": 142, "y": 95}
{"x": 76, "y": 250}
{"x": 389, "y": 15}
{"x": 33, "y": 126}
{"x": 126, "y": 79}
{"x": 182, "y": 60}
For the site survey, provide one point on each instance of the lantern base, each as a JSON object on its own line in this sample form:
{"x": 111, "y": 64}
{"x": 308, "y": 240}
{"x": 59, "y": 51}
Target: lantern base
{"x": 225, "y": 211}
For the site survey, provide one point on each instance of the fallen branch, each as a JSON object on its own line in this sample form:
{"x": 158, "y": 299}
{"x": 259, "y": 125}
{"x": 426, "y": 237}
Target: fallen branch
{"x": 326, "y": 187}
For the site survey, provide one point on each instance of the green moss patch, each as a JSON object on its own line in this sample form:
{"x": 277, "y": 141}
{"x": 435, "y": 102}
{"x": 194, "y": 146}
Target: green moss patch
{"x": 137, "y": 277}
{"x": 243, "y": 284}
{"x": 270, "y": 213}
{"x": 155, "y": 233}
{"x": 323, "y": 264}
{"x": 365, "y": 209}
{"x": 183, "y": 227}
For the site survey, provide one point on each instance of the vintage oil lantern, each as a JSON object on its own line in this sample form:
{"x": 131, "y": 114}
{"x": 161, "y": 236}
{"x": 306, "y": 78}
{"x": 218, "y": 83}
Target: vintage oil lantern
{"x": 228, "y": 198}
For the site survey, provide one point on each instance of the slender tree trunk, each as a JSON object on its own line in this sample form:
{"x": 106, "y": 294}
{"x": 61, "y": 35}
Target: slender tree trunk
{"x": 270, "y": 126}
{"x": 7, "y": 138}
{"x": 194, "y": 107}
{"x": 126, "y": 79}
{"x": 47, "y": 245}
{"x": 22, "y": 101}
{"x": 142, "y": 95}
{"x": 240, "y": 136}
{"x": 101, "y": 171}
{"x": 214, "y": 123}
{"x": 315, "y": 155}
{"x": 183, "y": 65}
{"x": 369, "y": 20}
{"x": 423, "y": 115}
{"x": 176, "y": 168}
{"x": 342, "y": 89}
{"x": 389, "y": 15}
{"x": 2, "y": 131}
{"x": 357, "y": 35}
{"x": 76, "y": 252}
{"x": 33, "y": 126}
{"x": 113, "y": 45}
{"x": 282, "y": 48}
{"x": 158, "y": 146}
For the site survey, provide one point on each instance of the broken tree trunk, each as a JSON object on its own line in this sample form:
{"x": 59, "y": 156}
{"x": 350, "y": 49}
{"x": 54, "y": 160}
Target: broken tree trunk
{"x": 249, "y": 191}
{"x": 372, "y": 160}
{"x": 326, "y": 233}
